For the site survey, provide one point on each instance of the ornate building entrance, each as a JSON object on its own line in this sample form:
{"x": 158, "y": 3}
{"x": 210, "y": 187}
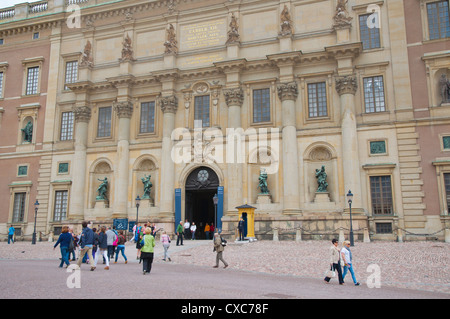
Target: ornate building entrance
{"x": 201, "y": 186}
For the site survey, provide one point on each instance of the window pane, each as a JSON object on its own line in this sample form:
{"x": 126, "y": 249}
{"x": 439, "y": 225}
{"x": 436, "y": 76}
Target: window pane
{"x": 32, "y": 80}
{"x": 67, "y": 119}
{"x": 1, "y": 84}
{"x": 438, "y": 20}
{"x": 147, "y": 117}
{"x": 71, "y": 72}
{"x": 261, "y": 105}
{"x": 381, "y": 193}
{"x": 60, "y": 206}
{"x": 317, "y": 99}
{"x": 19, "y": 207}
{"x": 447, "y": 190}
{"x": 104, "y": 122}
{"x": 370, "y": 37}
{"x": 202, "y": 110}
{"x": 374, "y": 94}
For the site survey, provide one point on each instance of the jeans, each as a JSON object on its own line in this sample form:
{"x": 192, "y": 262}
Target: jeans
{"x": 64, "y": 256}
{"x": 347, "y": 268}
{"x": 180, "y": 239}
{"x": 10, "y": 238}
{"x": 166, "y": 253}
{"x": 120, "y": 248}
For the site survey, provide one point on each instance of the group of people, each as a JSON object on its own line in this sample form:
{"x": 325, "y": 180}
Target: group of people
{"x": 338, "y": 258}
{"x": 91, "y": 243}
{"x": 188, "y": 230}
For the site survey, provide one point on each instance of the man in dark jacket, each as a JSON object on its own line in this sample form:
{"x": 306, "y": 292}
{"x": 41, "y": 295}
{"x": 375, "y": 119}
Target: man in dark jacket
{"x": 86, "y": 244}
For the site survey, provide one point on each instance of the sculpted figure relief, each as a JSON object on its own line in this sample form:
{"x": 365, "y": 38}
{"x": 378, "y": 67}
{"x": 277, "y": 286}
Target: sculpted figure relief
{"x": 102, "y": 189}
{"x": 444, "y": 89}
{"x": 286, "y": 22}
{"x": 233, "y": 34}
{"x": 171, "y": 43}
{"x": 28, "y": 132}
{"x": 321, "y": 180}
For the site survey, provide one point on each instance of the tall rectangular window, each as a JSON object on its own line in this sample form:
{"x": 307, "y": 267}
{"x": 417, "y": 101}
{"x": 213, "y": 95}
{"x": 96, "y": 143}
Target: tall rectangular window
{"x": 104, "y": 122}
{"x": 60, "y": 212}
{"x": 32, "y": 80}
{"x": 374, "y": 94}
{"x": 438, "y": 20}
{"x": 381, "y": 193}
{"x": 71, "y": 73}
{"x": 261, "y": 106}
{"x": 1, "y": 85}
{"x": 447, "y": 190}
{"x": 19, "y": 207}
{"x": 370, "y": 37}
{"x": 147, "y": 124}
{"x": 201, "y": 111}
{"x": 317, "y": 100}
{"x": 67, "y": 120}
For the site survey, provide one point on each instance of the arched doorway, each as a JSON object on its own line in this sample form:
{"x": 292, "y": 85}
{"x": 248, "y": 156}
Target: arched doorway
{"x": 201, "y": 186}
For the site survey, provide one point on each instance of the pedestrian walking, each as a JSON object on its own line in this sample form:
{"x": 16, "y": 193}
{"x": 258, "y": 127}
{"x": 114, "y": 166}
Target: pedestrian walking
{"x": 219, "y": 247}
{"x": 147, "y": 251}
{"x": 180, "y": 234}
{"x": 211, "y": 231}
{"x": 207, "y": 228}
{"x": 335, "y": 264}
{"x": 241, "y": 225}
{"x": 193, "y": 229}
{"x": 73, "y": 248}
{"x": 64, "y": 240}
{"x": 95, "y": 247}
{"x": 187, "y": 229}
{"x": 102, "y": 248}
{"x": 137, "y": 238}
{"x": 165, "y": 240}
{"x": 86, "y": 244}
{"x": 111, "y": 238}
{"x": 121, "y": 246}
{"x": 346, "y": 255}
{"x": 11, "y": 234}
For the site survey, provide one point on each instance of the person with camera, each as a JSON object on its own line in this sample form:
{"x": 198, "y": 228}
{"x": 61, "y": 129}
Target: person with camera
{"x": 219, "y": 247}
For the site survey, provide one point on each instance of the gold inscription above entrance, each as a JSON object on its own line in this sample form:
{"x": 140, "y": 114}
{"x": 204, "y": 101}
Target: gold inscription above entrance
{"x": 203, "y": 34}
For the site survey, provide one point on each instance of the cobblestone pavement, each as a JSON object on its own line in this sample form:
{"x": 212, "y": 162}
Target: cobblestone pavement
{"x": 419, "y": 266}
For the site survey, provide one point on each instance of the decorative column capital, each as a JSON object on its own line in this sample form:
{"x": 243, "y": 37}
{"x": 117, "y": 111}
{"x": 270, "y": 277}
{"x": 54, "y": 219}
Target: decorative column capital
{"x": 234, "y": 97}
{"x": 288, "y": 91}
{"x": 346, "y": 85}
{"x": 123, "y": 109}
{"x": 169, "y": 104}
{"x": 82, "y": 113}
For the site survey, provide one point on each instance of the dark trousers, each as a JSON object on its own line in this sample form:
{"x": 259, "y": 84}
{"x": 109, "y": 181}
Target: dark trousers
{"x": 180, "y": 239}
{"x": 336, "y": 267}
{"x": 147, "y": 259}
{"x": 241, "y": 234}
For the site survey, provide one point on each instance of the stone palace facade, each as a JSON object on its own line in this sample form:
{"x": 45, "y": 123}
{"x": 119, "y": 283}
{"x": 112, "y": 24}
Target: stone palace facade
{"x": 179, "y": 101}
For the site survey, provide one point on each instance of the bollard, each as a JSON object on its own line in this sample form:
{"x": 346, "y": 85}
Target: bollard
{"x": 298, "y": 235}
{"x": 366, "y": 236}
{"x": 275, "y": 234}
{"x": 399, "y": 235}
{"x": 447, "y": 235}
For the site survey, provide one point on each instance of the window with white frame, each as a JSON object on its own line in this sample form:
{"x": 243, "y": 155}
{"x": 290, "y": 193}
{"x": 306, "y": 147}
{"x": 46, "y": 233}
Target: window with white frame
{"x": 32, "y": 80}
{"x": 71, "y": 73}
{"x": 147, "y": 121}
{"x": 19, "y": 207}
{"x": 67, "y": 122}
{"x": 60, "y": 210}
{"x": 370, "y": 37}
{"x": 202, "y": 110}
{"x": 438, "y": 20}
{"x": 381, "y": 195}
{"x": 374, "y": 100}
{"x": 317, "y": 100}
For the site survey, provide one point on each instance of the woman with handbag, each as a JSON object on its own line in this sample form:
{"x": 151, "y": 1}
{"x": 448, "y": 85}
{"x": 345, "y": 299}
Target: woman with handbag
{"x": 335, "y": 264}
{"x": 165, "y": 239}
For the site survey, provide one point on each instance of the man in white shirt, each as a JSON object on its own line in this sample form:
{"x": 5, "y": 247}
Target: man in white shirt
{"x": 346, "y": 257}
{"x": 187, "y": 227}
{"x": 193, "y": 229}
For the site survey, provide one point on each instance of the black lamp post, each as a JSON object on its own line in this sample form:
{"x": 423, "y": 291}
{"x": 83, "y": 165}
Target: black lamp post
{"x": 138, "y": 202}
{"x": 215, "y": 200}
{"x": 36, "y": 206}
{"x": 350, "y": 200}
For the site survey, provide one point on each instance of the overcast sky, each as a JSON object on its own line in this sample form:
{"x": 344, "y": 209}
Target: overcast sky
{"x": 10, "y": 3}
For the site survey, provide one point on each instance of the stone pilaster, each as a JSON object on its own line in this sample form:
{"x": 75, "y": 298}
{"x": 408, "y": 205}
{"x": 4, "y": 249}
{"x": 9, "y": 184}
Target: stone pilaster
{"x": 234, "y": 98}
{"x": 124, "y": 110}
{"x": 169, "y": 106}
{"x": 346, "y": 87}
{"x": 288, "y": 92}
{"x": 82, "y": 116}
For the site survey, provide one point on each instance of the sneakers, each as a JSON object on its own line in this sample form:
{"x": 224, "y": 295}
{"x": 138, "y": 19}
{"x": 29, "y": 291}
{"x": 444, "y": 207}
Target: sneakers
{"x": 106, "y": 268}
{"x": 92, "y": 268}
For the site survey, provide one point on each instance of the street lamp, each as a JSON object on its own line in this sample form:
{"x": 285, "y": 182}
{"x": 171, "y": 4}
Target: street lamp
{"x": 350, "y": 200}
{"x": 36, "y": 206}
{"x": 215, "y": 200}
{"x": 138, "y": 203}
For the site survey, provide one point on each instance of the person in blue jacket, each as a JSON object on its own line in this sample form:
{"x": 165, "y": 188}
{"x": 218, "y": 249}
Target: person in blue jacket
{"x": 86, "y": 244}
{"x": 64, "y": 241}
{"x": 11, "y": 234}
